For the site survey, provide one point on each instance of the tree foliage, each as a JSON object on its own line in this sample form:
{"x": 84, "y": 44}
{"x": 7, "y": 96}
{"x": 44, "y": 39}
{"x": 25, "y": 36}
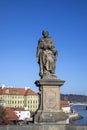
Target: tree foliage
{"x": 3, "y": 116}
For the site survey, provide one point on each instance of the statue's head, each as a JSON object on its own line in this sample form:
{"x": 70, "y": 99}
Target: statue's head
{"x": 45, "y": 33}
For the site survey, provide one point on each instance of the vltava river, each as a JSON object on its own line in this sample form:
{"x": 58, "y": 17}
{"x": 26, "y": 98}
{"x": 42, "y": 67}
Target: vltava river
{"x": 83, "y": 112}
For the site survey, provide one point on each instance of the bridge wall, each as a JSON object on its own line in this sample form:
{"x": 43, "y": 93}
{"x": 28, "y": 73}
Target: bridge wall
{"x": 44, "y": 127}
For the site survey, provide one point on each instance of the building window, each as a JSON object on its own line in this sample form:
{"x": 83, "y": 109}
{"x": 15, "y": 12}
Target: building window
{"x": 15, "y": 92}
{"x": 33, "y": 101}
{"x": 7, "y": 91}
{"x": 20, "y": 102}
{"x": 13, "y": 97}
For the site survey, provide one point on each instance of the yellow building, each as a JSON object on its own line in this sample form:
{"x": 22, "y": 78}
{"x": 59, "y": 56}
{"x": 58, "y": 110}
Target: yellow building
{"x": 19, "y": 97}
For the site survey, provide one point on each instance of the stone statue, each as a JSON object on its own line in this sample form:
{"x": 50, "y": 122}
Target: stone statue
{"x": 49, "y": 110}
{"x": 46, "y": 55}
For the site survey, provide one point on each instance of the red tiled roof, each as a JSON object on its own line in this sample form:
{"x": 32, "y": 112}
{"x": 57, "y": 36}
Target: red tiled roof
{"x": 64, "y": 103}
{"x": 19, "y": 109}
{"x": 17, "y": 91}
{"x": 30, "y": 92}
{"x": 11, "y": 114}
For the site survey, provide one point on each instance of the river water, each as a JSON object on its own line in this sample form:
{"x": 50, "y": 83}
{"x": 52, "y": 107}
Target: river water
{"x": 83, "y": 112}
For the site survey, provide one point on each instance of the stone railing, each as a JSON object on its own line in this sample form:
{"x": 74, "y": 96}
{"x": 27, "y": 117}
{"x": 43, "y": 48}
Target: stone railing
{"x": 44, "y": 127}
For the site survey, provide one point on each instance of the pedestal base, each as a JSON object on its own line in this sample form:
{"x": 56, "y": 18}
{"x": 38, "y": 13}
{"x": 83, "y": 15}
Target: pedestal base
{"x": 50, "y": 117}
{"x": 49, "y": 110}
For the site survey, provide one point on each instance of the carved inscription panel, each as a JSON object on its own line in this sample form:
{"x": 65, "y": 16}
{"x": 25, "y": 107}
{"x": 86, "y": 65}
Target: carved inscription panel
{"x": 50, "y": 99}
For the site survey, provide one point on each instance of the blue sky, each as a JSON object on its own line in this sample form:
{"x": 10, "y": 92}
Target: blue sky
{"x": 21, "y": 25}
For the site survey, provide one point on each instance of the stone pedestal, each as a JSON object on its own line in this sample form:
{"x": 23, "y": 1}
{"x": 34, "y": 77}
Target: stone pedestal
{"x": 49, "y": 109}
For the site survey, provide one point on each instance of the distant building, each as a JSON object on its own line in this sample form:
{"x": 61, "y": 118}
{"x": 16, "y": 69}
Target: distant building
{"x": 3, "y": 103}
{"x": 23, "y": 114}
{"x": 65, "y": 106}
{"x": 19, "y": 97}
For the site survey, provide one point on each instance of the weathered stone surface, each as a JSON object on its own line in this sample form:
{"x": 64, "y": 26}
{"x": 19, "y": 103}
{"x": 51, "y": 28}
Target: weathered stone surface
{"x": 49, "y": 84}
{"x": 50, "y": 117}
{"x": 49, "y": 110}
{"x": 44, "y": 127}
{"x": 46, "y": 55}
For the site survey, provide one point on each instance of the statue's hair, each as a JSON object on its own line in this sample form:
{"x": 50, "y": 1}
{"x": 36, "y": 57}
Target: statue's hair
{"x": 45, "y": 31}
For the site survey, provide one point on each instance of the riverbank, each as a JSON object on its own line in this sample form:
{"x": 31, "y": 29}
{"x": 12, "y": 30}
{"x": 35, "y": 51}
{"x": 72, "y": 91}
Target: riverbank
{"x": 74, "y": 116}
{"x": 81, "y": 111}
